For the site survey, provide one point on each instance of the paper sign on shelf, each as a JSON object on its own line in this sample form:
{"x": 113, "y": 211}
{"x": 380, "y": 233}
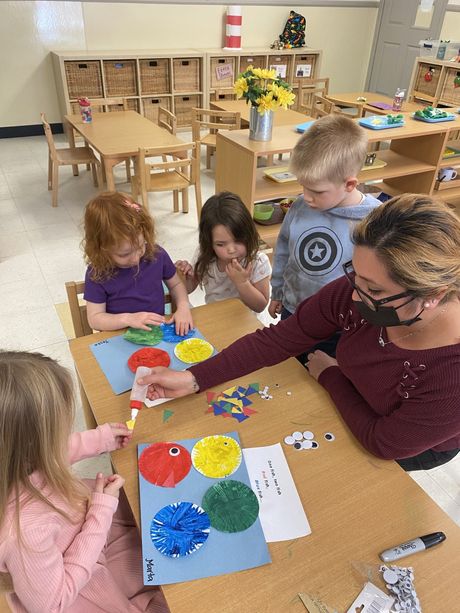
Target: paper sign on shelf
{"x": 281, "y": 512}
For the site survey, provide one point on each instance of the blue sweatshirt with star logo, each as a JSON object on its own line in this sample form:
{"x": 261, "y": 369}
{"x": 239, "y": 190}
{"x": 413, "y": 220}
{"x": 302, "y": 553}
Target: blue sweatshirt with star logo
{"x": 312, "y": 246}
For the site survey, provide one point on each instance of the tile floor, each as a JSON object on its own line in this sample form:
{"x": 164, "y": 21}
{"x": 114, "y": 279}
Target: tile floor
{"x": 39, "y": 251}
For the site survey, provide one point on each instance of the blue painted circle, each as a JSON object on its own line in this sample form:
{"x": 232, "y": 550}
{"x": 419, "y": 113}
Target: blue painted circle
{"x": 170, "y": 336}
{"x": 179, "y": 529}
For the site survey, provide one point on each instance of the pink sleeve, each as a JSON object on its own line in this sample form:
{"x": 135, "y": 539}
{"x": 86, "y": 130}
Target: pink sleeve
{"x": 46, "y": 579}
{"x": 90, "y": 443}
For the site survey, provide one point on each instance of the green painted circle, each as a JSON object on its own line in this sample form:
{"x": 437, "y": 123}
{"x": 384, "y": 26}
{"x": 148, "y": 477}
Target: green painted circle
{"x": 231, "y": 505}
{"x": 144, "y": 337}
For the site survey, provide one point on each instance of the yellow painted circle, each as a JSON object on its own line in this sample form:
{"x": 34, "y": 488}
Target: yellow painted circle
{"x": 193, "y": 350}
{"x": 216, "y": 456}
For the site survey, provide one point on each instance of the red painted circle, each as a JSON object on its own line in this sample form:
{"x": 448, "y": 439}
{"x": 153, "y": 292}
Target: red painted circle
{"x": 165, "y": 464}
{"x": 148, "y": 356}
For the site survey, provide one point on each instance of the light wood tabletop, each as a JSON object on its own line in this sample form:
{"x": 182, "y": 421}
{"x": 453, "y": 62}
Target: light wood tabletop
{"x": 343, "y": 98}
{"x": 357, "y": 505}
{"x": 118, "y": 135}
{"x": 280, "y": 116}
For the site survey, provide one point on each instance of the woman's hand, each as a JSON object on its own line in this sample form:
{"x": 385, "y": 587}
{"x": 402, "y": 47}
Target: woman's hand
{"x": 121, "y": 434}
{"x": 141, "y": 319}
{"x": 237, "y": 273}
{"x": 182, "y": 317}
{"x": 110, "y": 485}
{"x": 319, "y": 361}
{"x": 166, "y": 383}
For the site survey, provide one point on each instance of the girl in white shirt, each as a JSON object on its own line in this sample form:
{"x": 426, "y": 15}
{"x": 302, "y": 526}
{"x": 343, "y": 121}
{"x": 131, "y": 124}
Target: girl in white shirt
{"x": 228, "y": 263}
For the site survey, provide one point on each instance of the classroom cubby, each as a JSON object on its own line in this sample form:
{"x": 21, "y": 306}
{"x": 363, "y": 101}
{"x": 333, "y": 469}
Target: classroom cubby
{"x": 440, "y": 89}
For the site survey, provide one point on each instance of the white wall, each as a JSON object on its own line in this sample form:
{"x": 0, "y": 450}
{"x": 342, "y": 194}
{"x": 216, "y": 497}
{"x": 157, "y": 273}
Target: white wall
{"x": 29, "y": 30}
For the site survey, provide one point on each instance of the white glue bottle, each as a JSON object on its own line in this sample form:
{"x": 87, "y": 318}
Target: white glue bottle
{"x": 139, "y": 392}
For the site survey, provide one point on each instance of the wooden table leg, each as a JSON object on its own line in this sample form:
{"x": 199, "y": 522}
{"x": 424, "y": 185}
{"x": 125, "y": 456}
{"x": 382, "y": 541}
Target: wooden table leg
{"x": 108, "y": 166}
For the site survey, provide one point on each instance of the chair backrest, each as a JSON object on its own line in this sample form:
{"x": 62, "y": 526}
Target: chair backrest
{"x": 167, "y": 120}
{"x": 49, "y": 136}
{"x": 105, "y": 103}
{"x": 322, "y": 106}
{"x": 213, "y": 121}
{"x": 306, "y": 88}
{"x": 186, "y": 166}
{"x": 78, "y": 311}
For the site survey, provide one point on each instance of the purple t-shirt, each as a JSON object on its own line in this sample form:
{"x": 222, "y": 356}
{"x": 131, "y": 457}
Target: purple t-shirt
{"x": 132, "y": 290}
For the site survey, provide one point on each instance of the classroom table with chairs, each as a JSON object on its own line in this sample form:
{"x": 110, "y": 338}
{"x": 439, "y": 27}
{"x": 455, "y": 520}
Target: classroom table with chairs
{"x": 117, "y": 136}
{"x": 357, "y": 505}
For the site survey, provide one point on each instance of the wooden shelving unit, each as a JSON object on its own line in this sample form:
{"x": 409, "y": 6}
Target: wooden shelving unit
{"x": 222, "y": 67}
{"x": 440, "y": 90}
{"x": 413, "y": 156}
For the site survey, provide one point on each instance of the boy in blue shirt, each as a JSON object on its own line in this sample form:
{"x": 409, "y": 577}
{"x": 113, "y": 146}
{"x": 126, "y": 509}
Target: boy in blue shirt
{"x": 314, "y": 240}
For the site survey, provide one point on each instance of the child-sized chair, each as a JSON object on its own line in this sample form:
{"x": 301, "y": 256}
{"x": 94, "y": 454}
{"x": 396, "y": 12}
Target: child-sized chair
{"x": 176, "y": 175}
{"x": 212, "y": 121}
{"x": 69, "y": 156}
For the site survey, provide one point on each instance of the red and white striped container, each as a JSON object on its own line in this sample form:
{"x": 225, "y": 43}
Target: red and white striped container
{"x": 233, "y": 28}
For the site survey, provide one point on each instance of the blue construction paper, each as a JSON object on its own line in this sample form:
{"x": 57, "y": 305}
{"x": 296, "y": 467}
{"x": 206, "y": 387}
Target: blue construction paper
{"x": 221, "y": 553}
{"x": 303, "y": 127}
{"x": 112, "y": 356}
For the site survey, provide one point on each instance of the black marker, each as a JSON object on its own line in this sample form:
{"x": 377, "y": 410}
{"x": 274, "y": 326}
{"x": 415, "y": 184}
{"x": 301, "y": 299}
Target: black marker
{"x": 418, "y": 544}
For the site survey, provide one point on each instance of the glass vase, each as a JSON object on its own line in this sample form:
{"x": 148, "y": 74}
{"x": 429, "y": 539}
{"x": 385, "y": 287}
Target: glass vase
{"x": 260, "y": 126}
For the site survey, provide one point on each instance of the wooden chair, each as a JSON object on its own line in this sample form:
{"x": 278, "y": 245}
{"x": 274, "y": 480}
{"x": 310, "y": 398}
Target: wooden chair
{"x": 306, "y": 88}
{"x": 176, "y": 175}
{"x": 69, "y": 156}
{"x": 212, "y": 121}
{"x": 167, "y": 120}
{"x": 106, "y": 105}
{"x": 81, "y": 327}
{"x": 321, "y": 106}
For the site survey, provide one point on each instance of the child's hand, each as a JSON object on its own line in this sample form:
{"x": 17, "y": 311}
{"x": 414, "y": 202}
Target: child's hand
{"x": 182, "y": 317}
{"x": 274, "y": 308}
{"x": 110, "y": 485}
{"x": 237, "y": 273}
{"x": 141, "y": 319}
{"x": 122, "y": 434}
{"x": 184, "y": 267}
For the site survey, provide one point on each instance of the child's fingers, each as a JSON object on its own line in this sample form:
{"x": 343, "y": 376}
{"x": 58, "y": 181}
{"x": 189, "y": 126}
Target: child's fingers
{"x": 100, "y": 482}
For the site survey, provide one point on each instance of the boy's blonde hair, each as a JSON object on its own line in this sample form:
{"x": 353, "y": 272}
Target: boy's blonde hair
{"x": 418, "y": 239}
{"x": 333, "y": 149}
{"x": 37, "y": 410}
{"x": 110, "y": 219}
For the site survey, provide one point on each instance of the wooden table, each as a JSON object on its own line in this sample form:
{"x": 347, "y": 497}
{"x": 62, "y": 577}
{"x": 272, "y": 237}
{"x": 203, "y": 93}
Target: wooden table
{"x": 280, "y": 116}
{"x": 118, "y": 135}
{"x": 343, "y": 99}
{"x": 356, "y": 504}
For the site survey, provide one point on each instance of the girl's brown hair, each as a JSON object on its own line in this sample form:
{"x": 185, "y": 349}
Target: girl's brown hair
{"x": 110, "y": 219}
{"x": 418, "y": 239}
{"x": 228, "y": 210}
{"x": 37, "y": 410}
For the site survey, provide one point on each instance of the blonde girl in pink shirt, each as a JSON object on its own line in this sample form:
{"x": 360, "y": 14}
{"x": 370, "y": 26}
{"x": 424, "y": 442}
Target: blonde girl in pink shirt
{"x": 65, "y": 544}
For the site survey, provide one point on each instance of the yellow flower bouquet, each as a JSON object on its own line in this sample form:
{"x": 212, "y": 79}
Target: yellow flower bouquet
{"x": 264, "y": 89}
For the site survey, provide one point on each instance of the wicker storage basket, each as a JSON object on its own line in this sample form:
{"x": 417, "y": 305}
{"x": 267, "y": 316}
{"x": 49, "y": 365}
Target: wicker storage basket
{"x": 151, "y": 106}
{"x": 154, "y": 76}
{"x": 304, "y": 60}
{"x": 222, "y": 79}
{"x": 427, "y": 87}
{"x": 84, "y": 79}
{"x": 186, "y": 74}
{"x": 183, "y": 106}
{"x": 120, "y": 77}
{"x": 258, "y": 61}
{"x": 450, "y": 93}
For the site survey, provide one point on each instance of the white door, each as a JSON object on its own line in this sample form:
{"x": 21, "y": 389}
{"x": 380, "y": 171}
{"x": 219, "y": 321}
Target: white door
{"x": 400, "y": 27}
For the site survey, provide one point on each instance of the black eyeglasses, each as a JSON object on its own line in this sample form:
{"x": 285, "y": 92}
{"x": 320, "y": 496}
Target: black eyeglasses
{"x": 372, "y": 302}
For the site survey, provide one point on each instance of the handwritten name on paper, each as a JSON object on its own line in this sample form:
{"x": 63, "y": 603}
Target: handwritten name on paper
{"x": 149, "y": 569}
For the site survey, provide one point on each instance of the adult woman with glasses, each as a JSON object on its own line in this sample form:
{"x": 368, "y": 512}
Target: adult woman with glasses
{"x": 396, "y": 380}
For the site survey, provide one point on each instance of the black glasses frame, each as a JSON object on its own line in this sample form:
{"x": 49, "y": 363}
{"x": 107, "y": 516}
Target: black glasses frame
{"x": 350, "y": 272}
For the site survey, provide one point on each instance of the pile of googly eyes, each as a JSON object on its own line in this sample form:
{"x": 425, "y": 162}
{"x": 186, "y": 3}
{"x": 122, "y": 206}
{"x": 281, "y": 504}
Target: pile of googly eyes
{"x": 306, "y": 440}
{"x": 399, "y": 581}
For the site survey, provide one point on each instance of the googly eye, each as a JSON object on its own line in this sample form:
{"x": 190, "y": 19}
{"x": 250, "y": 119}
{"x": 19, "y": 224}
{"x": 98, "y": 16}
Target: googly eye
{"x": 297, "y": 445}
{"x": 174, "y": 451}
{"x": 329, "y": 436}
{"x": 314, "y": 445}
